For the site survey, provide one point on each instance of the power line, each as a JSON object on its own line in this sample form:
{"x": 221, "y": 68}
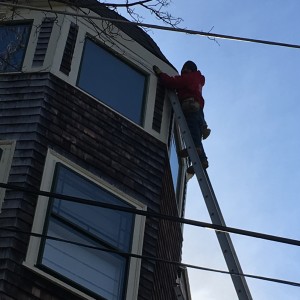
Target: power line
{"x": 159, "y": 27}
{"x": 156, "y": 259}
{"x": 151, "y": 214}
{"x": 154, "y": 215}
{"x": 171, "y": 218}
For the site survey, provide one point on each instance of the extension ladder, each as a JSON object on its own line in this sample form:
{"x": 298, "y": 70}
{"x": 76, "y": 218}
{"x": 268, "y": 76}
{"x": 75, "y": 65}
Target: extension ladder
{"x": 211, "y": 202}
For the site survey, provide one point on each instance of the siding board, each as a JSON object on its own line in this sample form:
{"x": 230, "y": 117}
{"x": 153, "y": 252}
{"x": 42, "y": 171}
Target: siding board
{"x": 46, "y": 112}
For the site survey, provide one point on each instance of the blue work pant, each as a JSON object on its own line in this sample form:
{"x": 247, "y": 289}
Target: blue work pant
{"x": 195, "y": 122}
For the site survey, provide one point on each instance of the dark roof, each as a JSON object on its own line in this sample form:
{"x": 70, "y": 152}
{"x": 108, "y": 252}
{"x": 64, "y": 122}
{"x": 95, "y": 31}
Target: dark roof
{"x": 132, "y": 30}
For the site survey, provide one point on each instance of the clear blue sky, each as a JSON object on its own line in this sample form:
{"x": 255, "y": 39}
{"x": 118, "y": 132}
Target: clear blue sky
{"x": 253, "y": 108}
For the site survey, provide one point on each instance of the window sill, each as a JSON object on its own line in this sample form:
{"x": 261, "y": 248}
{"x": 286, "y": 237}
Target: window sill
{"x": 57, "y": 281}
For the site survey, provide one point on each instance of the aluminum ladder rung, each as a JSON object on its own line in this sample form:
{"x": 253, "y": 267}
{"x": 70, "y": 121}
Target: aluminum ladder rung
{"x": 212, "y": 205}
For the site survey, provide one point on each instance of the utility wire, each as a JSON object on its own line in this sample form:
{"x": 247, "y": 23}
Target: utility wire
{"x": 156, "y": 259}
{"x": 218, "y": 228}
{"x": 146, "y": 213}
{"x": 153, "y": 26}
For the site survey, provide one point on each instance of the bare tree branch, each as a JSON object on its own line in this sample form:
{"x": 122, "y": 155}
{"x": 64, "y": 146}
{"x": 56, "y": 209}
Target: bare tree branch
{"x": 157, "y": 8}
{"x": 127, "y": 3}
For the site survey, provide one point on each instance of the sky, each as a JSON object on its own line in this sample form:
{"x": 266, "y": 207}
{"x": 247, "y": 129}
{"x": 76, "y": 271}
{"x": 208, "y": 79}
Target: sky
{"x": 252, "y": 98}
{"x": 252, "y": 95}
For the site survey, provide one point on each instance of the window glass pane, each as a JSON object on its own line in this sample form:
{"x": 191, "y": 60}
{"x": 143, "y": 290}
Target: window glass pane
{"x": 96, "y": 270}
{"x": 174, "y": 162}
{"x": 112, "y": 226}
{"x": 112, "y": 81}
{"x": 13, "y": 43}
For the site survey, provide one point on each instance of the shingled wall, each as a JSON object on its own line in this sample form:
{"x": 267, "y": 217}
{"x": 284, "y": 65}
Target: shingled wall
{"x": 40, "y": 111}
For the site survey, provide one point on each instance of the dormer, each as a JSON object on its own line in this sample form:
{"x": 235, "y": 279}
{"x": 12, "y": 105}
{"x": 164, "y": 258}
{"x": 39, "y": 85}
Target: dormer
{"x": 110, "y": 61}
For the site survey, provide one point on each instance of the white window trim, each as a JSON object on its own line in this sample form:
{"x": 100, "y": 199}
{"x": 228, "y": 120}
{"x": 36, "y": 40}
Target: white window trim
{"x": 41, "y": 212}
{"x": 8, "y": 148}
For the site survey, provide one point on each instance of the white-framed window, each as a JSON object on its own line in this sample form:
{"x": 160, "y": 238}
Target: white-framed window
{"x": 7, "y": 149}
{"x": 13, "y": 44}
{"x": 113, "y": 81}
{"x": 90, "y": 272}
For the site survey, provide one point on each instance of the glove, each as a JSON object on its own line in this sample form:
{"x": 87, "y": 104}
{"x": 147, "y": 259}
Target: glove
{"x": 157, "y": 70}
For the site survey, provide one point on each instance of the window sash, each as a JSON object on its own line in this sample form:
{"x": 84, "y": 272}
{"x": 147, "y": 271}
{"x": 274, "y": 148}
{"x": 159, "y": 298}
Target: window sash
{"x": 66, "y": 221}
{"x": 13, "y": 43}
{"x": 175, "y": 161}
{"x": 112, "y": 81}
{"x": 97, "y": 271}
{"x": 95, "y": 220}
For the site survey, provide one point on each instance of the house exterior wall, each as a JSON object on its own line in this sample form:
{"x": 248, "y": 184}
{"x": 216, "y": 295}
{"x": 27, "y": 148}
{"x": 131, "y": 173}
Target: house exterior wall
{"x": 121, "y": 45}
{"x": 42, "y": 110}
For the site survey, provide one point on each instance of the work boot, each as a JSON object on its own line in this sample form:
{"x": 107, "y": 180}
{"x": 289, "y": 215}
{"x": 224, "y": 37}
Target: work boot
{"x": 190, "y": 172}
{"x": 184, "y": 153}
{"x": 204, "y": 164}
{"x": 205, "y": 133}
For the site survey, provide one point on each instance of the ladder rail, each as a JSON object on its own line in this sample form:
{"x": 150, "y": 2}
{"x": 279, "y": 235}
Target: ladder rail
{"x": 212, "y": 205}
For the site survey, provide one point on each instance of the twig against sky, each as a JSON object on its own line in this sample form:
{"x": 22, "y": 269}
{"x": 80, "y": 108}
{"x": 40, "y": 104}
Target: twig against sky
{"x": 158, "y": 27}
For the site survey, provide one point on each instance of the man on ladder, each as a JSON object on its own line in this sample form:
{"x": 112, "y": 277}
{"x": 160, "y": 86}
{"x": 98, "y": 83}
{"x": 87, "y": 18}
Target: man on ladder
{"x": 182, "y": 84}
{"x": 189, "y": 86}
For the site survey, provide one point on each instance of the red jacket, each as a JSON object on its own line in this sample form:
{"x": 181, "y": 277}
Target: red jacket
{"x": 187, "y": 85}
